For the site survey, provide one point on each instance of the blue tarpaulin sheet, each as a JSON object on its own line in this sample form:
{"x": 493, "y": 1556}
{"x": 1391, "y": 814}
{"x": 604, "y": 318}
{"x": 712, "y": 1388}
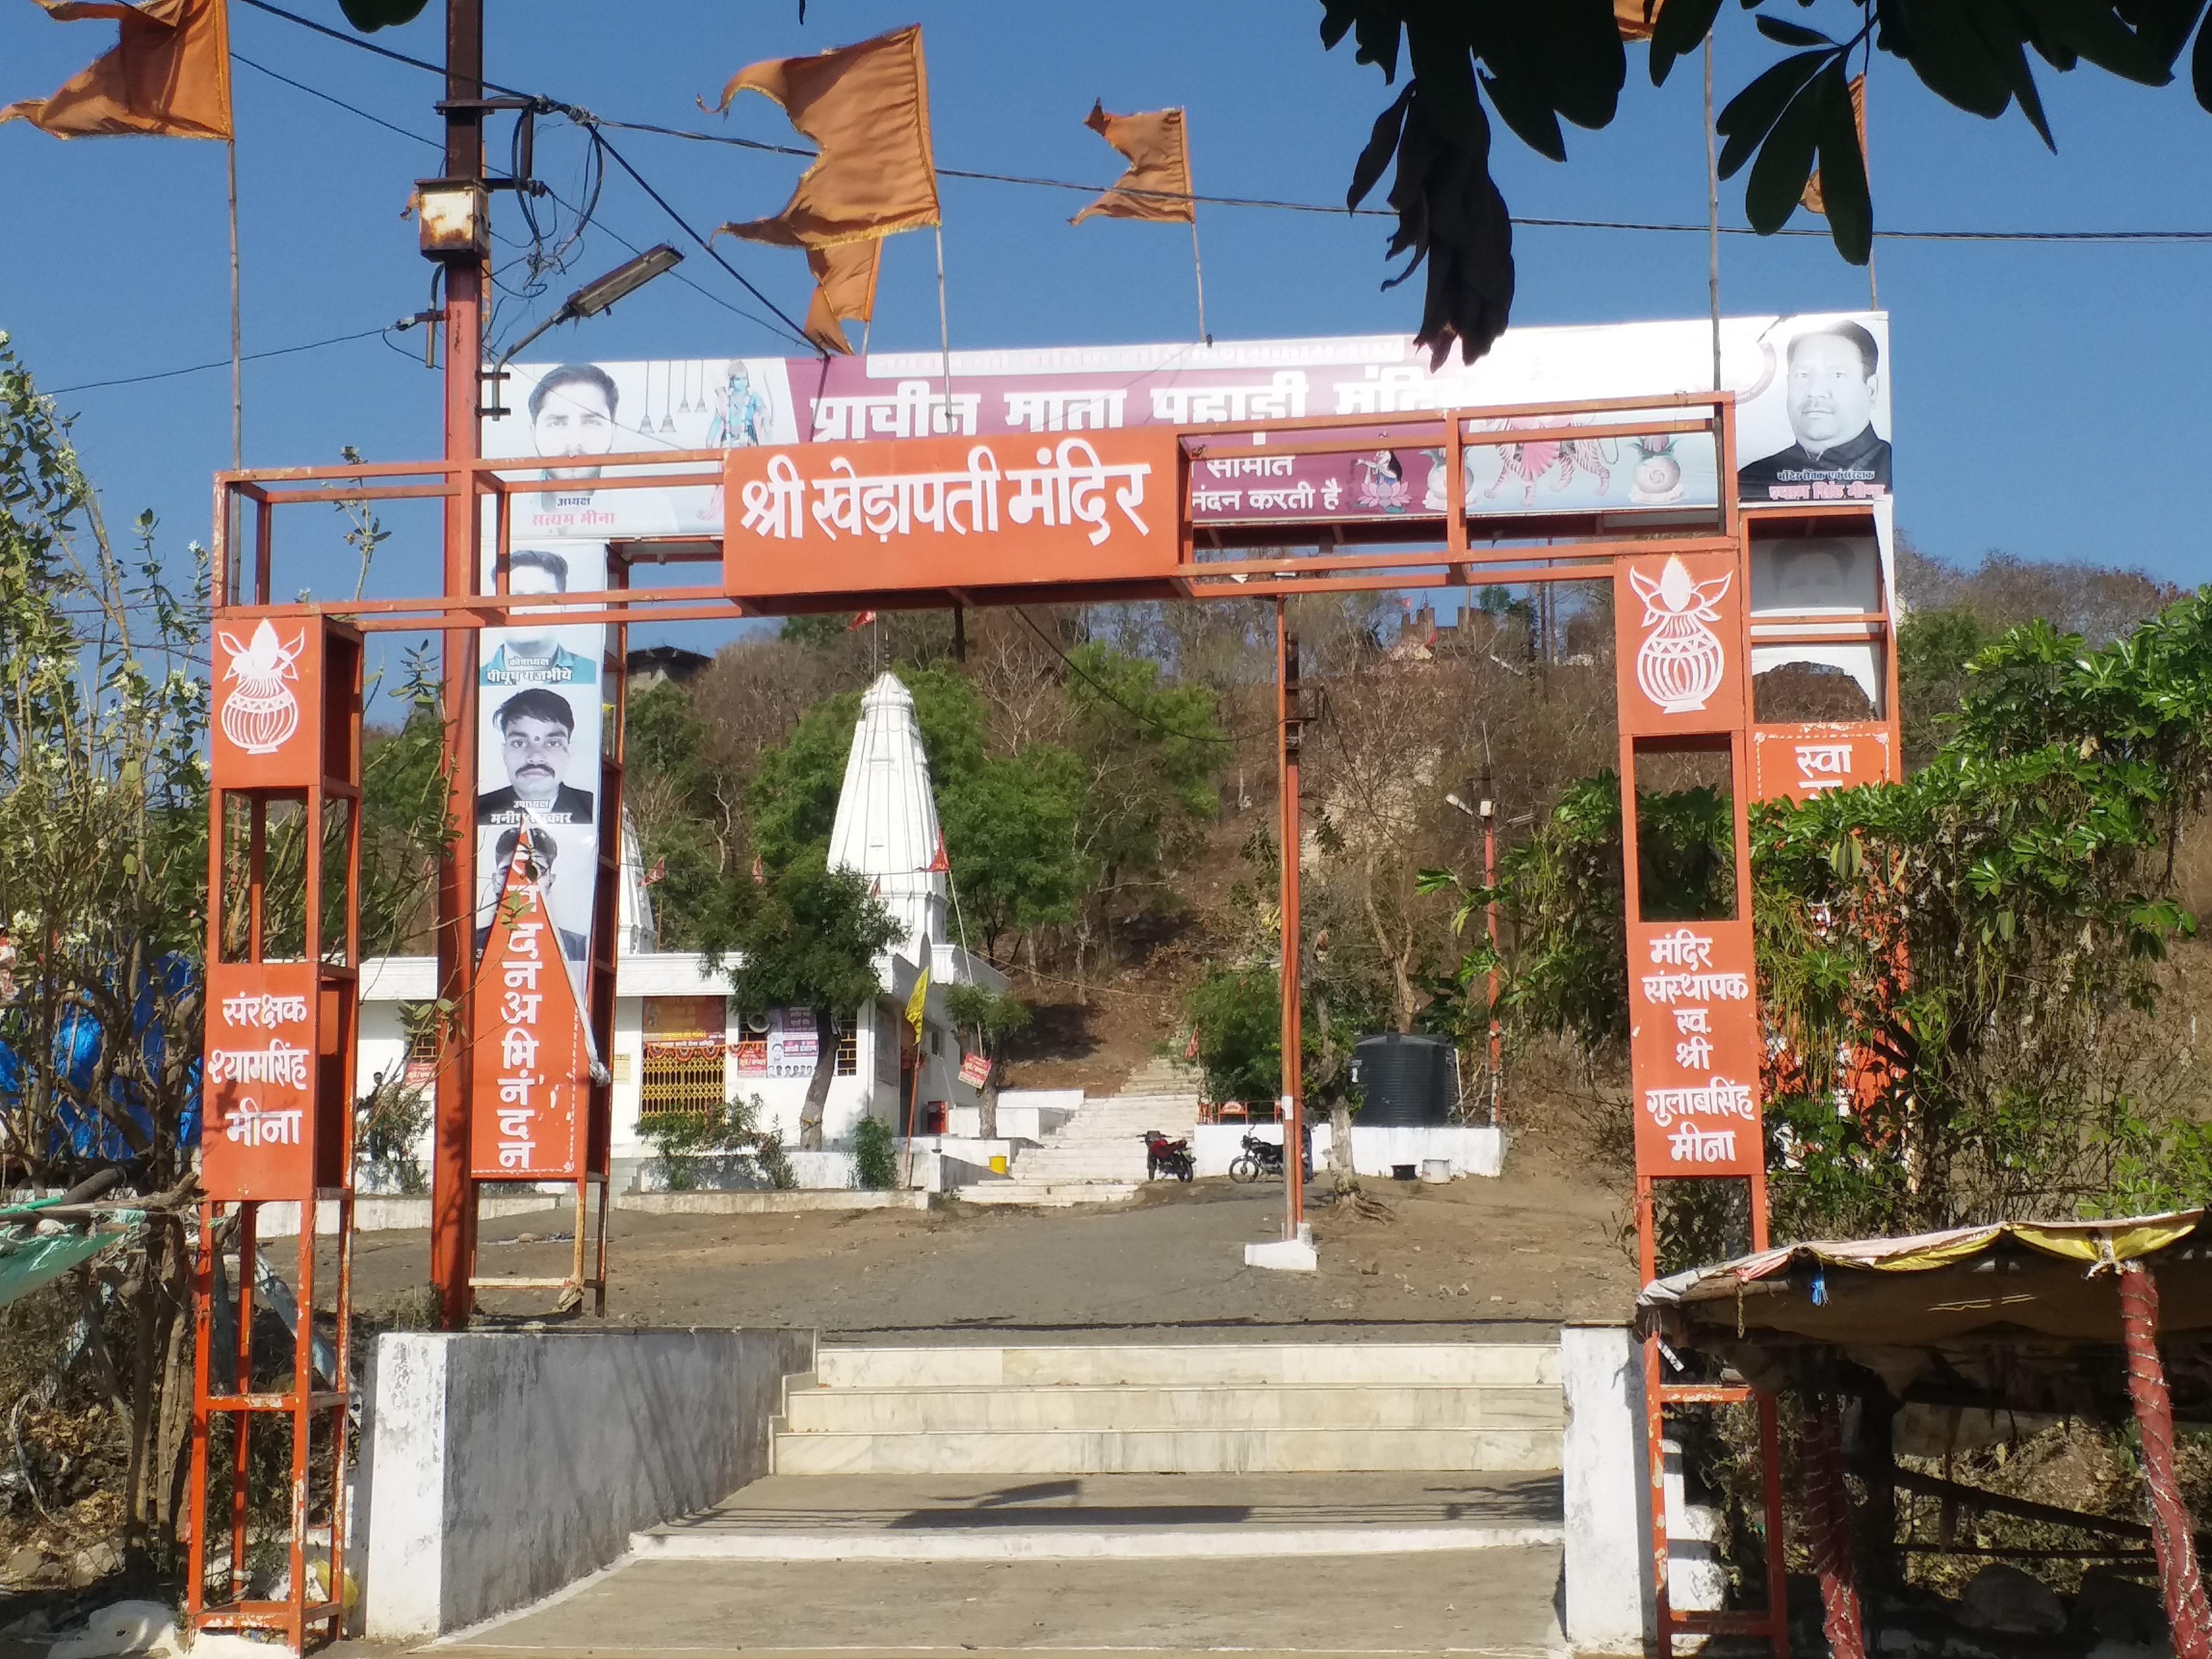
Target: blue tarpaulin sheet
{"x": 88, "y": 1134}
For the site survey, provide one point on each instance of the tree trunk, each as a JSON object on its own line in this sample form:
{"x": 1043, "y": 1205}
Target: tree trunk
{"x": 145, "y": 1331}
{"x": 987, "y": 1112}
{"x": 818, "y": 1086}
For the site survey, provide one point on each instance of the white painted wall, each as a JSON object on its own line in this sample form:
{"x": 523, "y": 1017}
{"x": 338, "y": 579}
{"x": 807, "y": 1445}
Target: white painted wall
{"x": 1471, "y": 1150}
{"x": 388, "y": 982}
{"x": 1605, "y": 1464}
{"x": 498, "y": 1468}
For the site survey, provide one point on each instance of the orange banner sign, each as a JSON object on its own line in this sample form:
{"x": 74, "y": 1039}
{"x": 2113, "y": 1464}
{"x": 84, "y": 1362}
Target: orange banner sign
{"x": 268, "y": 702}
{"x": 532, "y": 1074}
{"x": 953, "y": 512}
{"x": 258, "y": 1133}
{"x": 1802, "y": 762}
{"x": 1681, "y": 644}
{"x": 1693, "y": 1048}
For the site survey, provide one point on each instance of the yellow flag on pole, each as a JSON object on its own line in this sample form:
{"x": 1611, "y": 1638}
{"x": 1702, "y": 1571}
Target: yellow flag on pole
{"x": 914, "y": 1004}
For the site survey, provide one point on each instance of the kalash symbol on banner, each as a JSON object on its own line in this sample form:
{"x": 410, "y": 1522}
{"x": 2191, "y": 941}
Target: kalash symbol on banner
{"x": 1681, "y": 660}
{"x": 262, "y": 711}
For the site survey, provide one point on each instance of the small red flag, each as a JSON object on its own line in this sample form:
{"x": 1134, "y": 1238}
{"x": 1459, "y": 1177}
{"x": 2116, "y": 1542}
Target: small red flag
{"x": 1190, "y": 1052}
{"x": 658, "y": 872}
{"x": 760, "y": 876}
{"x": 859, "y": 622}
{"x": 940, "y": 865}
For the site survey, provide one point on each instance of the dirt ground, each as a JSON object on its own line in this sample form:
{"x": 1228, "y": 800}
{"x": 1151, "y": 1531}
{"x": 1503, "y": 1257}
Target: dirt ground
{"x": 1536, "y": 1247}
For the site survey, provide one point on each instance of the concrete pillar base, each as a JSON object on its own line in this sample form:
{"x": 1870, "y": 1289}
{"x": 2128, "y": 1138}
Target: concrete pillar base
{"x": 1296, "y": 1256}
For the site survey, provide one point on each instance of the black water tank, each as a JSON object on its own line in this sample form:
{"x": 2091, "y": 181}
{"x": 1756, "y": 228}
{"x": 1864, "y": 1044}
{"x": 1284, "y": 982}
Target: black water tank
{"x": 1409, "y": 1079}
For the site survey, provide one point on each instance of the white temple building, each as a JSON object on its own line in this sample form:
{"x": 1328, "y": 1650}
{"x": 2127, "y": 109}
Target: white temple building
{"x": 681, "y": 1040}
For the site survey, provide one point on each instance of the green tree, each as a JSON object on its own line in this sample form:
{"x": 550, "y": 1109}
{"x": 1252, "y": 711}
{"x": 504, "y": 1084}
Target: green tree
{"x": 1010, "y": 835}
{"x": 1934, "y": 649}
{"x": 1536, "y": 65}
{"x": 1149, "y": 750}
{"x": 1972, "y": 957}
{"x": 793, "y": 793}
{"x": 805, "y": 937}
{"x": 680, "y": 803}
{"x": 991, "y": 1017}
{"x": 1238, "y": 1013}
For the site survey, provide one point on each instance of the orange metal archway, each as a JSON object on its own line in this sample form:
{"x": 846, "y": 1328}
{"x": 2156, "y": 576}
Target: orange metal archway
{"x": 1686, "y": 635}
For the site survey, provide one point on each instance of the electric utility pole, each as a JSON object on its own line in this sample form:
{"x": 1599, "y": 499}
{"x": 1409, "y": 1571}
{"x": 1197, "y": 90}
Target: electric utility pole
{"x": 456, "y": 212}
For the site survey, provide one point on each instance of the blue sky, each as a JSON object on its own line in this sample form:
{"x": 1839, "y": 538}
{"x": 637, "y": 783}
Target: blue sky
{"x": 2047, "y": 398}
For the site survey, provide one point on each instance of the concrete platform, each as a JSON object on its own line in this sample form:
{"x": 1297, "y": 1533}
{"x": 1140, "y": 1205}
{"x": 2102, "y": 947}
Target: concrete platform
{"x": 1497, "y": 1603}
{"x": 1125, "y": 1516}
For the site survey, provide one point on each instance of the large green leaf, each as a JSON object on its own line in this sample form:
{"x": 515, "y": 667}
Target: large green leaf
{"x": 370, "y": 16}
{"x": 1680, "y": 27}
{"x": 1752, "y": 113}
{"x": 1950, "y": 55}
{"x": 1784, "y": 163}
{"x": 1843, "y": 169}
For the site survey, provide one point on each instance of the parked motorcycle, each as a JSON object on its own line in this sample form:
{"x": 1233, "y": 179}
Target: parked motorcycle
{"x": 1165, "y": 1157}
{"x": 1263, "y": 1159}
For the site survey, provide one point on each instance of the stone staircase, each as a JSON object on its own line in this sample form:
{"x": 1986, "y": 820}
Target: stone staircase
{"x": 1246, "y": 1408}
{"x": 1097, "y": 1157}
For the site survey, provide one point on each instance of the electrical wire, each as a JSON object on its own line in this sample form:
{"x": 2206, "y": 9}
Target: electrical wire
{"x": 221, "y": 362}
{"x": 797, "y": 334}
{"x": 584, "y": 117}
{"x": 350, "y": 109}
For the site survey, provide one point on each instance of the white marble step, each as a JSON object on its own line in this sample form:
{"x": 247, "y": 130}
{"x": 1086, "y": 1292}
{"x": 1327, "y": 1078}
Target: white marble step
{"x": 1126, "y": 1408}
{"x": 1047, "y": 1195}
{"x": 1168, "y": 1364}
{"x": 1193, "y": 1452}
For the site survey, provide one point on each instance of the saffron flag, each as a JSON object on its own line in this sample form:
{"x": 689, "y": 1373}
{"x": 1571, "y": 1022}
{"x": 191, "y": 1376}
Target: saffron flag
{"x": 867, "y": 107}
{"x": 1634, "y": 22}
{"x": 1158, "y": 184}
{"x": 859, "y": 621}
{"x": 169, "y": 76}
{"x": 914, "y": 1004}
{"x": 939, "y": 864}
{"x": 844, "y": 290}
{"x": 1813, "y": 199}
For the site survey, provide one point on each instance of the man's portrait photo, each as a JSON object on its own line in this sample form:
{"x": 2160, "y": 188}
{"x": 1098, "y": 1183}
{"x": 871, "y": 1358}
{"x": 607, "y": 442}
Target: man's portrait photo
{"x": 572, "y": 420}
{"x": 543, "y": 859}
{"x": 1830, "y": 389}
{"x": 537, "y": 729}
{"x": 532, "y": 654}
{"x": 1831, "y": 574}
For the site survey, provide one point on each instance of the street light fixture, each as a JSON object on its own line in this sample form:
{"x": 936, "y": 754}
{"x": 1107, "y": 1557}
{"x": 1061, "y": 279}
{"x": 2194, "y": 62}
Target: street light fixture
{"x": 595, "y": 296}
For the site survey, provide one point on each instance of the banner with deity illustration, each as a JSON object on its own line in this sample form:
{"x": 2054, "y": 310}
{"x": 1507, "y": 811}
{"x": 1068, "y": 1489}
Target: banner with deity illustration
{"x": 1812, "y": 396}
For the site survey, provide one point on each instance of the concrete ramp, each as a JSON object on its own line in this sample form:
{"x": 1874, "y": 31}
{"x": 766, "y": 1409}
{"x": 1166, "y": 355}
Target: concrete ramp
{"x": 1470, "y": 1604}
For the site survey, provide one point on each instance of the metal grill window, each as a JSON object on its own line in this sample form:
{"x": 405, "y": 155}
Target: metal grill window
{"x": 848, "y": 1049}
{"x": 682, "y": 1077}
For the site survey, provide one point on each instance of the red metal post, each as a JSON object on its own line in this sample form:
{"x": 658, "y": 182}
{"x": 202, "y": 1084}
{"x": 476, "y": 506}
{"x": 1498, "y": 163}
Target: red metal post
{"x": 1828, "y": 1518}
{"x": 1293, "y": 1097}
{"x": 1490, "y": 930}
{"x": 453, "y": 1220}
{"x": 2187, "y": 1610}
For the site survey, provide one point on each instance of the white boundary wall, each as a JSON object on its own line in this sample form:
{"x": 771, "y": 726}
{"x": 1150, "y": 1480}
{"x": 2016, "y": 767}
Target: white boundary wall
{"x": 1469, "y": 1149}
{"x": 498, "y": 1467}
{"x": 1605, "y": 1465}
